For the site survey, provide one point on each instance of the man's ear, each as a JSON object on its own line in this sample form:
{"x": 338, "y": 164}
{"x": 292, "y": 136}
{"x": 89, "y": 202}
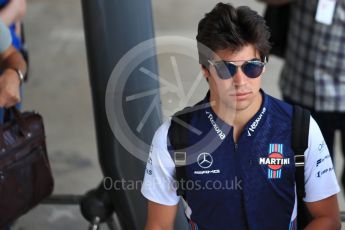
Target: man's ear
{"x": 264, "y": 70}
{"x": 205, "y": 72}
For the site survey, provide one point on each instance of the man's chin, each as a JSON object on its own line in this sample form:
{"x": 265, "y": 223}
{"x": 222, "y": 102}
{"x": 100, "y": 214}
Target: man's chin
{"x": 238, "y": 106}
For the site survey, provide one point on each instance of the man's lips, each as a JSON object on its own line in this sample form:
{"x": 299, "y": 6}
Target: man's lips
{"x": 240, "y": 94}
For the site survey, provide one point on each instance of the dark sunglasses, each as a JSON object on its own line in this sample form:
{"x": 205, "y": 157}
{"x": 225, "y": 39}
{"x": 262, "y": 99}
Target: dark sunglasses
{"x": 227, "y": 69}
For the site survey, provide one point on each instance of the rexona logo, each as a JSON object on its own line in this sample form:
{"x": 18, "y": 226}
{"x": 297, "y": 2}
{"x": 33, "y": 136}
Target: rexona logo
{"x": 220, "y": 133}
{"x": 275, "y": 161}
{"x": 256, "y": 122}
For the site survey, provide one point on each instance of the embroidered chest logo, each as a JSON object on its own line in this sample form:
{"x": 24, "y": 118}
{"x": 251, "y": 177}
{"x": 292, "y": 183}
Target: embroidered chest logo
{"x": 275, "y": 161}
{"x": 256, "y": 122}
{"x": 220, "y": 133}
{"x": 205, "y": 161}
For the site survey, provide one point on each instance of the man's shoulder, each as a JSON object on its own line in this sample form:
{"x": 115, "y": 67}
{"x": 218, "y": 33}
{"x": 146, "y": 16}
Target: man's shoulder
{"x": 278, "y": 102}
{"x": 278, "y": 107}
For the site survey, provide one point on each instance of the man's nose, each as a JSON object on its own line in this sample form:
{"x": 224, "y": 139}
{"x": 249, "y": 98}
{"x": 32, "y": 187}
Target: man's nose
{"x": 239, "y": 78}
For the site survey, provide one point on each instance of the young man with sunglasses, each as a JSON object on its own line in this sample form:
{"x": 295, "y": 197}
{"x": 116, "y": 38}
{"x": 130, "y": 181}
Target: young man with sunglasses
{"x": 239, "y": 163}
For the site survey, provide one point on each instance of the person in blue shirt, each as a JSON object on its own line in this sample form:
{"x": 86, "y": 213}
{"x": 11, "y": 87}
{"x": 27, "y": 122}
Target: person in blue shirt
{"x": 13, "y": 68}
{"x": 240, "y": 164}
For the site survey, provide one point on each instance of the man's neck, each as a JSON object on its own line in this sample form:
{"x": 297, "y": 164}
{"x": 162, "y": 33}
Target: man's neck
{"x": 237, "y": 118}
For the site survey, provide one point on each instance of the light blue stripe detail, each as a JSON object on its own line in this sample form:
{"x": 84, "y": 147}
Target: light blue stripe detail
{"x": 292, "y": 225}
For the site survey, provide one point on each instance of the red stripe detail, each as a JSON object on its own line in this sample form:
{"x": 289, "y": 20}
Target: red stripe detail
{"x": 276, "y": 148}
{"x": 192, "y": 224}
{"x": 274, "y": 174}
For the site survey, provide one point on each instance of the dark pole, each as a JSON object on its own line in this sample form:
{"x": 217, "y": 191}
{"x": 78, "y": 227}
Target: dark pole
{"x": 112, "y": 28}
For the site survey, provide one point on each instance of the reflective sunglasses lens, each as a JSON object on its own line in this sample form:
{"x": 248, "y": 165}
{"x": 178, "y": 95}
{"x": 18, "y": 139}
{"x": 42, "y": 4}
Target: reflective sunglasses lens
{"x": 231, "y": 68}
{"x": 225, "y": 70}
{"x": 252, "y": 69}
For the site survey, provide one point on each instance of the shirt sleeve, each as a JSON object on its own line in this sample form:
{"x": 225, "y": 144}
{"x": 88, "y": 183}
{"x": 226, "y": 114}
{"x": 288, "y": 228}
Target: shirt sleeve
{"x": 5, "y": 37}
{"x": 158, "y": 185}
{"x": 319, "y": 175}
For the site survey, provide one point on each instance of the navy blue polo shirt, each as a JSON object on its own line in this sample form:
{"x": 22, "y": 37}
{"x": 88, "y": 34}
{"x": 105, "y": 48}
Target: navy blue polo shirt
{"x": 245, "y": 185}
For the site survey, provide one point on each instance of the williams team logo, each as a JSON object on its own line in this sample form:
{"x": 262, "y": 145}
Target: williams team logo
{"x": 275, "y": 161}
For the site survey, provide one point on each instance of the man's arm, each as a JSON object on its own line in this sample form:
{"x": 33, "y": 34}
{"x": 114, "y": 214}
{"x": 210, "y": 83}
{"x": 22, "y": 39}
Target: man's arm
{"x": 10, "y": 60}
{"x": 320, "y": 188}
{"x": 160, "y": 217}
{"x": 325, "y": 214}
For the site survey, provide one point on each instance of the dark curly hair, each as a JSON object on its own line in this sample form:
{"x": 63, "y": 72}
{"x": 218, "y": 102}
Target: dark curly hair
{"x": 226, "y": 27}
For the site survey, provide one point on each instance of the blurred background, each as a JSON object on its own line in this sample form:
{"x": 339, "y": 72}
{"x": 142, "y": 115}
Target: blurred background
{"x": 59, "y": 89}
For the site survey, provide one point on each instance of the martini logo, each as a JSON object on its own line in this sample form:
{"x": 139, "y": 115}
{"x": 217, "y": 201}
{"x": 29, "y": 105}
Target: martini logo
{"x": 275, "y": 161}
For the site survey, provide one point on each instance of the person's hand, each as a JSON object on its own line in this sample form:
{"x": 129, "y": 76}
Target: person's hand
{"x": 9, "y": 88}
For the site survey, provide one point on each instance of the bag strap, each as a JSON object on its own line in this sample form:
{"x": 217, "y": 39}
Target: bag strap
{"x": 300, "y": 134}
{"x": 179, "y": 136}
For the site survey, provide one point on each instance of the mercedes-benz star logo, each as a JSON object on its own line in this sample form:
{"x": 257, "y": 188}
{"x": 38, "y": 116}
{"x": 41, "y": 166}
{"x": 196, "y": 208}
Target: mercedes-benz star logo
{"x": 205, "y": 160}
